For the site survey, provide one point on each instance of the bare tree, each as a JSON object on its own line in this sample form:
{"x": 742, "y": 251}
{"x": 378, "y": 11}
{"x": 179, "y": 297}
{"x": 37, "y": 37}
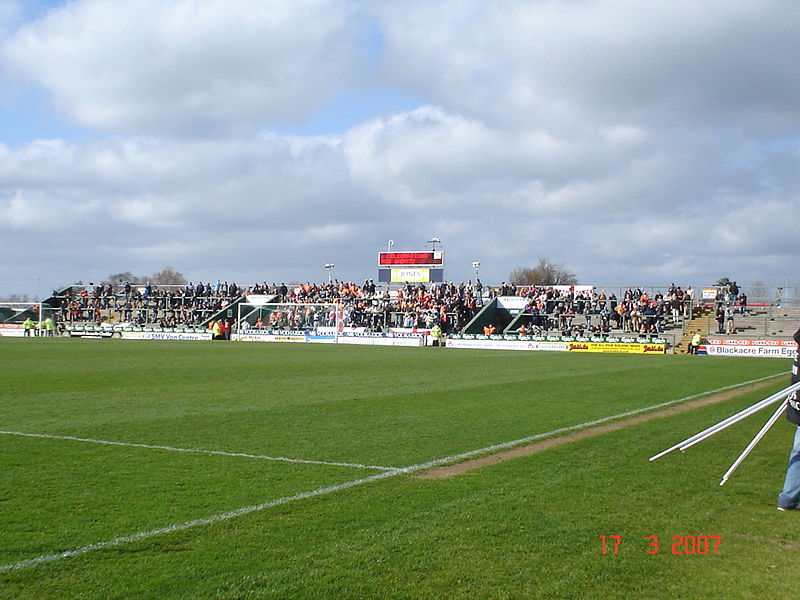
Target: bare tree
{"x": 126, "y": 277}
{"x": 758, "y": 291}
{"x": 544, "y": 273}
{"x": 15, "y": 298}
{"x": 168, "y": 276}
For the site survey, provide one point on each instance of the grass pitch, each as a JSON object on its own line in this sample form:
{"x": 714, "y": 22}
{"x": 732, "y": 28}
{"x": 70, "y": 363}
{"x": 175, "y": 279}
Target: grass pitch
{"x": 527, "y": 528}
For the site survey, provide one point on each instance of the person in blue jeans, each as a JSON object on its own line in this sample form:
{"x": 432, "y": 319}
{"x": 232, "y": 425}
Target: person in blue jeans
{"x": 789, "y": 498}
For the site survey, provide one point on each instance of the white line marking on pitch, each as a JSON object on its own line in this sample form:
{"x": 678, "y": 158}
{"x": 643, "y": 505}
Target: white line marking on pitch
{"x": 143, "y": 535}
{"x": 197, "y": 451}
{"x": 538, "y": 436}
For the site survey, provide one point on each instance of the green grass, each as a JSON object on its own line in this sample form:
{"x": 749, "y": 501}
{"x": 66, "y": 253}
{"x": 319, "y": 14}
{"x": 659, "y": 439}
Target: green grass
{"x": 526, "y": 528}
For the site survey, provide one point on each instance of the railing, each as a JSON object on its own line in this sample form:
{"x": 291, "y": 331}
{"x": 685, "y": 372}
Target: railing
{"x": 779, "y": 296}
{"x": 134, "y": 307}
{"x": 757, "y": 321}
{"x": 172, "y": 303}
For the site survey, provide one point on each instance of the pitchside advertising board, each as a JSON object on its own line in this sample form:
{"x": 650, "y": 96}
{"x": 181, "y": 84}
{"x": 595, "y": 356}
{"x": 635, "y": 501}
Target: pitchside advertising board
{"x": 175, "y": 336}
{"x": 759, "y": 348}
{"x": 9, "y": 330}
{"x": 331, "y": 335}
{"x": 559, "y": 346}
{"x": 422, "y": 266}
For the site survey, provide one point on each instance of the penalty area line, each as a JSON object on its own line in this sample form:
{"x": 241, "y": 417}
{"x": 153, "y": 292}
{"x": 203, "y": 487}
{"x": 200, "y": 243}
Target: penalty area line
{"x": 197, "y": 451}
{"x": 144, "y": 535}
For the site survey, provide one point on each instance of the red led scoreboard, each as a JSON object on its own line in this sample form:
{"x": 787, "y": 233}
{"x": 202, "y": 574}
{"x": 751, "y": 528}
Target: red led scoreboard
{"x": 411, "y": 259}
{"x": 420, "y": 266}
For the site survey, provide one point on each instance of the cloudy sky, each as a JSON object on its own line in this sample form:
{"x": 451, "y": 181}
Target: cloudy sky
{"x": 633, "y": 142}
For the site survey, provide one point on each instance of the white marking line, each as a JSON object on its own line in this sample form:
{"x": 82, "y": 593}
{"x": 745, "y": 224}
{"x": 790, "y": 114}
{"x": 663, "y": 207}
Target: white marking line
{"x": 197, "y": 451}
{"x": 143, "y": 535}
{"x": 554, "y": 432}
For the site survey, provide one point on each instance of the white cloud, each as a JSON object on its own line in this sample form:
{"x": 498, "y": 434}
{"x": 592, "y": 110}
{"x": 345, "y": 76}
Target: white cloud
{"x": 633, "y": 142}
{"x": 579, "y": 65}
{"x": 188, "y": 66}
{"x": 429, "y": 154}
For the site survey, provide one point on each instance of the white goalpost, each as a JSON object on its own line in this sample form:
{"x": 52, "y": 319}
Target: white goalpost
{"x": 15, "y": 318}
{"x": 287, "y": 321}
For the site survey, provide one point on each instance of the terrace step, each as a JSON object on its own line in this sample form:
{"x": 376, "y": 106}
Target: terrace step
{"x": 697, "y": 324}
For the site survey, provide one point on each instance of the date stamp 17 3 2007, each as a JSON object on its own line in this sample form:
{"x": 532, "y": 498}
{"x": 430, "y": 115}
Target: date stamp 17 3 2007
{"x": 678, "y": 544}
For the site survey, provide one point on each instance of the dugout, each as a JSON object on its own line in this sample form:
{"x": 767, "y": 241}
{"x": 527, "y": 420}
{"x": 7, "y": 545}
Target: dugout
{"x": 494, "y": 313}
{"x": 228, "y": 312}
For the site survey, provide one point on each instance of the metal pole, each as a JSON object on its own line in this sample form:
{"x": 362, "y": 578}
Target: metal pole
{"x": 725, "y": 423}
{"x": 763, "y": 404}
{"x": 238, "y": 321}
{"x": 753, "y": 443}
{"x": 728, "y": 423}
{"x": 714, "y": 428}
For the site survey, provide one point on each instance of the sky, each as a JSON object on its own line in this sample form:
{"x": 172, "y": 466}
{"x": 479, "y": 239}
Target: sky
{"x": 634, "y": 143}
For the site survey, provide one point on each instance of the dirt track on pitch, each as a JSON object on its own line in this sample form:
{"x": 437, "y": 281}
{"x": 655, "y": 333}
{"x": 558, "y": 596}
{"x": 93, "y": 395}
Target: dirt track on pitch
{"x": 491, "y": 459}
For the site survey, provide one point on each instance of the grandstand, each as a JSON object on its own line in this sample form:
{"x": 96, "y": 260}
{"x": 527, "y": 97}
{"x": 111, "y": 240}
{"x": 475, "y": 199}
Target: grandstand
{"x": 757, "y": 322}
{"x": 459, "y": 309}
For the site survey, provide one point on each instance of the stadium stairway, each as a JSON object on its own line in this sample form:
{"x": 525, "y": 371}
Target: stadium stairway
{"x": 699, "y": 323}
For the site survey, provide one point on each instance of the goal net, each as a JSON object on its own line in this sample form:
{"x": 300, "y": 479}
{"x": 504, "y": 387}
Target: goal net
{"x": 254, "y": 318}
{"x": 27, "y": 318}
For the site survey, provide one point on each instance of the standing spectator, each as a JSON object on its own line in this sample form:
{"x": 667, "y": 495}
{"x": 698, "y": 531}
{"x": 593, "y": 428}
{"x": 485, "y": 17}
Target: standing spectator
{"x": 436, "y": 334}
{"x": 225, "y": 329}
{"x": 720, "y": 315}
{"x": 694, "y": 344}
{"x": 650, "y": 319}
{"x": 742, "y": 304}
{"x": 688, "y": 301}
{"x": 789, "y": 497}
{"x": 729, "y": 328}
{"x": 636, "y": 318}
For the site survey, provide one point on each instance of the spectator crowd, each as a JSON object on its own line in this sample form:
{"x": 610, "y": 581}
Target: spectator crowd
{"x": 568, "y": 309}
{"x": 167, "y": 306}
